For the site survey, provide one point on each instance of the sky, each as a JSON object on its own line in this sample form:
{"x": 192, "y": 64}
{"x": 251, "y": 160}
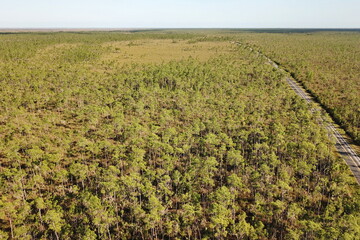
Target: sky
{"x": 180, "y": 14}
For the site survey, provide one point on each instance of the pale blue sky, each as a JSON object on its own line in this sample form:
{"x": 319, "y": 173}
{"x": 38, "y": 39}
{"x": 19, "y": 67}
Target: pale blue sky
{"x": 180, "y": 13}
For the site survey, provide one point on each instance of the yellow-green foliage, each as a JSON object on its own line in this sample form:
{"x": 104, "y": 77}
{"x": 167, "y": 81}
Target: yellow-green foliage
{"x": 328, "y": 64}
{"x": 161, "y": 135}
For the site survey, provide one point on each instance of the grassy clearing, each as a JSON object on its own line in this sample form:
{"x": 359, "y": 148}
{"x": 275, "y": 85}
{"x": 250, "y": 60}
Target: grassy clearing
{"x": 162, "y": 51}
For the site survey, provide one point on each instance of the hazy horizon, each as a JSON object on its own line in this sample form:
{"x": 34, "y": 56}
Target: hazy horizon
{"x": 141, "y": 14}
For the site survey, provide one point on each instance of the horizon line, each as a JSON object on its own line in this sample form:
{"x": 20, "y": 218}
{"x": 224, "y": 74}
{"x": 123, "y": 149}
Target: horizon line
{"x": 56, "y": 29}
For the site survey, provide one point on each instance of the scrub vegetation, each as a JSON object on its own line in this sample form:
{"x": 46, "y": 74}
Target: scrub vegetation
{"x": 161, "y": 135}
{"x": 328, "y": 65}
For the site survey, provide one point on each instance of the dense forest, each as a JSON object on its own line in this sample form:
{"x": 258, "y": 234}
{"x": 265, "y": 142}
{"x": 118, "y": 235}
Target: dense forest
{"x": 328, "y": 65}
{"x": 161, "y": 135}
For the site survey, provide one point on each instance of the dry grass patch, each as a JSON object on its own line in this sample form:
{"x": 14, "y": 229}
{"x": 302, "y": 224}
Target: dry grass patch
{"x": 158, "y": 51}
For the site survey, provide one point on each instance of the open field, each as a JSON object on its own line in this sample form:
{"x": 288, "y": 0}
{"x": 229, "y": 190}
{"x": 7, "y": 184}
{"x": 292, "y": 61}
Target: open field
{"x": 164, "y": 135}
{"x": 162, "y": 51}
